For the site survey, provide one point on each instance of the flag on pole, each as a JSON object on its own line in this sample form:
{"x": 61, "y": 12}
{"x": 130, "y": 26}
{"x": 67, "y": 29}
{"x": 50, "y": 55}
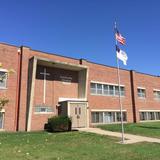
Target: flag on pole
{"x": 119, "y": 37}
{"x": 121, "y": 55}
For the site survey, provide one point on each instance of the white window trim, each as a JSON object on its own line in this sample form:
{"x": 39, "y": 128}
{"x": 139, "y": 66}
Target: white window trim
{"x": 3, "y": 110}
{"x": 149, "y": 110}
{"x": 158, "y": 90}
{"x": 141, "y": 88}
{"x": 3, "y": 70}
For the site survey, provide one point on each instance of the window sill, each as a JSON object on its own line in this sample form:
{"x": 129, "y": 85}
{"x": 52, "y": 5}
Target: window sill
{"x": 3, "y": 88}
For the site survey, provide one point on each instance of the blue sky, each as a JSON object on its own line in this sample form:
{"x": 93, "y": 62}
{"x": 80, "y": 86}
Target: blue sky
{"x": 84, "y": 29}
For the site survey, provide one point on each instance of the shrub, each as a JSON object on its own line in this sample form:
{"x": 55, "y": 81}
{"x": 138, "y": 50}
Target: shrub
{"x": 59, "y": 123}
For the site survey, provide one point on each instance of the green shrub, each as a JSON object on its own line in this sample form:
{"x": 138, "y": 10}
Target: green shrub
{"x": 59, "y": 123}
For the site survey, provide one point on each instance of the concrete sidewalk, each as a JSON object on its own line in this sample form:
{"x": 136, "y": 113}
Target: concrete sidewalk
{"x": 129, "y": 138}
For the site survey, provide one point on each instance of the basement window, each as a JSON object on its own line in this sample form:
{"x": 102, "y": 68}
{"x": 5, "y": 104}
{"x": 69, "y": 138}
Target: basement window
{"x": 43, "y": 109}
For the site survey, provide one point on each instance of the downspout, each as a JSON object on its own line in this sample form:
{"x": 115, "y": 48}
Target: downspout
{"x": 18, "y": 89}
{"x": 133, "y": 96}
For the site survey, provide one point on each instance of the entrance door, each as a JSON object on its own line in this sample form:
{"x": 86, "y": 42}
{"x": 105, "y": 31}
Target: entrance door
{"x": 78, "y": 114}
{"x": 1, "y": 120}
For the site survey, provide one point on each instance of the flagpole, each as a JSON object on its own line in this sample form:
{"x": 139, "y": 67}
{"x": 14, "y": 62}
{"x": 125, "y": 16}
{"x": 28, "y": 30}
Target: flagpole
{"x": 120, "y": 100}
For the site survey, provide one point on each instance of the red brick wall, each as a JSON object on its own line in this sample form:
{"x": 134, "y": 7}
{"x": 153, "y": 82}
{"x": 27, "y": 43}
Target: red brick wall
{"x": 109, "y": 75}
{"x": 9, "y": 60}
{"x": 149, "y": 83}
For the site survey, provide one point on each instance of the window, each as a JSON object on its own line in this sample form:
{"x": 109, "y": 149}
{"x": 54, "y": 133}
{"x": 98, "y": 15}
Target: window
{"x": 99, "y": 88}
{"x": 106, "y": 89}
{"x": 3, "y": 79}
{"x": 141, "y": 93}
{"x": 156, "y": 94}
{"x": 1, "y": 120}
{"x": 97, "y": 117}
{"x": 43, "y": 109}
{"x": 149, "y": 116}
{"x": 93, "y": 88}
{"x": 108, "y": 117}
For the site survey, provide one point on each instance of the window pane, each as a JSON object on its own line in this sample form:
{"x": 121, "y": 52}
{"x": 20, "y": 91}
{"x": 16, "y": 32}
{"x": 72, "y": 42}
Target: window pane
{"x": 109, "y": 117}
{"x": 111, "y": 92}
{"x": 1, "y": 120}
{"x": 93, "y": 88}
{"x": 124, "y": 116}
{"x": 151, "y": 116}
{"x": 122, "y": 91}
{"x": 117, "y": 90}
{"x": 141, "y": 93}
{"x": 3, "y": 78}
{"x": 143, "y": 116}
{"x": 118, "y": 116}
{"x": 99, "y": 88}
{"x": 105, "y": 89}
{"x": 157, "y": 115}
{"x": 97, "y": 117}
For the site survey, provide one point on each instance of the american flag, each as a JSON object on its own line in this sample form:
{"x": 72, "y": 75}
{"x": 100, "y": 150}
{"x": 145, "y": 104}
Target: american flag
{"x": 120, "y": 38}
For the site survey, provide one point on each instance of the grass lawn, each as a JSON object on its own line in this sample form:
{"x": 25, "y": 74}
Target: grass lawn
{"x": 150, "y": 129}
{"x": 72, "y": 146}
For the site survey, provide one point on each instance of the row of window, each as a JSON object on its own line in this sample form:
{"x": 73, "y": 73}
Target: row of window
{"x": 142, "y": 93}
{"x": 147, "y": 116}
{"x": 107, "y": 117}
{"x": 113, "y": 90}
{"x": 106, "y": 89}
{"x": 111, "y": 117}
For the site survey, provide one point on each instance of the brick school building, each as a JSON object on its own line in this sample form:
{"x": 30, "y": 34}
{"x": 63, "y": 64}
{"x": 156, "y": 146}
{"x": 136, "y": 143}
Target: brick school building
{"x": 45, "y": 85}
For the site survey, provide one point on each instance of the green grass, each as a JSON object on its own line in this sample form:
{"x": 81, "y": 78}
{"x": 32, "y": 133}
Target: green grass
{"x": 72, "y": 146}
{"x": 149, "y": 129}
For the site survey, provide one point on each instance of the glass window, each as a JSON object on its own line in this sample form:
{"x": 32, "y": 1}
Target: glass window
{"x": 43, "y": 109}
{"x": 105, "y": 89}
{"x": 3, "y": 79}
{"x": 97, "y": 117}
{"x": 157, "y": 115}
{"x": 1, "y": 120}
{"x": 109, "y": 117}
{"x": 122, "y": 91}
{"x": 143, "y": 116}
{"x": 156, "y": 94}
{"x": 151, "y": 116}
{"x": 111, "y": 91}
{"x": 99, "y": 88}
{"x": 141, "y": 93}
{"x": 93, "y": 88}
